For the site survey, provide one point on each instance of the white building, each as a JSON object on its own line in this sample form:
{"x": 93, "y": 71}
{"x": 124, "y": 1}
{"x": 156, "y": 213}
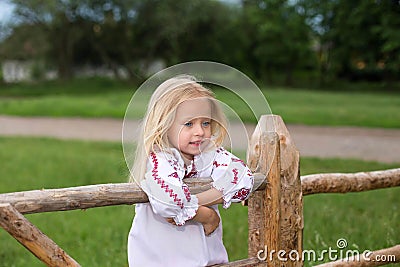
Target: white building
{"x": 16, "y": 71}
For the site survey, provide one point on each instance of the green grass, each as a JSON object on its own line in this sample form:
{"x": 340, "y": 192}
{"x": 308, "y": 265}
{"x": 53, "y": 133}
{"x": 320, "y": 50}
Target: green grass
{"x": 78, "y": 98}
{"x": 337, "y": 108}
{"x": 97, "y": 237}
{"x": 105, "y": 98}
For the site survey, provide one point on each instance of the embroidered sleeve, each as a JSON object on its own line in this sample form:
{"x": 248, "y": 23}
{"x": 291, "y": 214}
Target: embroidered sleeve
{"x": 168, "y": 195}
{"x": 232, "y": 177}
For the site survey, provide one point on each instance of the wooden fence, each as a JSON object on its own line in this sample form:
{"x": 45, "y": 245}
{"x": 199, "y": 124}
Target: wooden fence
{"x": 275, "y": 208}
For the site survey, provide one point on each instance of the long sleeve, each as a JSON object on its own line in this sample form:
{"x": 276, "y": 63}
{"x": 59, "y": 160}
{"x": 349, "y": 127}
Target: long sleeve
{"x": 231, "y": 176}
{"x": 168, "y": 195}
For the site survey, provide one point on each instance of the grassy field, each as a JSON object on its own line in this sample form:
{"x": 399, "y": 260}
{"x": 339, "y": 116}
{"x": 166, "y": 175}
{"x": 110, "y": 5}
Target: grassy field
{"x": 105, "y": 98}
{"x": 97, "y": 237}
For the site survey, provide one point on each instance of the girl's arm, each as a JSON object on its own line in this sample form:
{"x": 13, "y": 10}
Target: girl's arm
{"x": 208, "y": 218}
{"x": 232, "y": 177}
{"x": 210, "y": 197}
{"x": 168, "y": 195}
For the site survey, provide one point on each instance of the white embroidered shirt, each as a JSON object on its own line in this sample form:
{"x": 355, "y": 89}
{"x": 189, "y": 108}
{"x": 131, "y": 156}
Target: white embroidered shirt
{"x": 152, "y": 240}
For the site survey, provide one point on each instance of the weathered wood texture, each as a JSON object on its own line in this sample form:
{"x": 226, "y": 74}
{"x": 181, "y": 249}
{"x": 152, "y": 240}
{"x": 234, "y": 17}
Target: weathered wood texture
{"x": 291, "y": 220}
{"x": 264, "y": 205}
{"x": 91, "y": 196}
{"x": 376, "y": 258}
{"x": 81, "y": 197}
{"x": 250, "y": 262}
{"x": 287, "y": 207}
{"x": 32, "y": 238}
{"x": 349, "y": 182}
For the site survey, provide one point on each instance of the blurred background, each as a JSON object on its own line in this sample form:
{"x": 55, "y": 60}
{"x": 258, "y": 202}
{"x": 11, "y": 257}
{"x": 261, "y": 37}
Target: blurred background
{"x": 330, "y": 68}
{"x": 291, "y": 43}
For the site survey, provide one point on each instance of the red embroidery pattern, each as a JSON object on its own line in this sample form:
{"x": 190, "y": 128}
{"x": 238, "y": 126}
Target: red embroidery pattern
{"x": 239, "y": 160}
{"x": 186, "y": 192}
{"x": 222, "y": 151}
{"x": 235, "y": 176}
{"x": 174, "y": 164}
{"x": 216, "y": 164}
{"x": 241, "y": 194}
{"x": 192, "y": 173}
{"x": 248, "y": 172}
{"x": 174, "y": 174}
{"x": 161, "y": 182}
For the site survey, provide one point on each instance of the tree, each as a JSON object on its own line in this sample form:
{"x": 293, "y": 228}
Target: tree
{"x": 278, "y": 38}
{"x": 25, "y": 43}
{"x": 319, "y": 15}
{"x": 110, "y": 36}
{"x": 390, "y": 35}
{"x": 358, "y": 40}
{"x": 128, "y": 33}
{"x": 73, "y": 27}
{"x": 181, "y": 30}
{"x": 56, "y": 20}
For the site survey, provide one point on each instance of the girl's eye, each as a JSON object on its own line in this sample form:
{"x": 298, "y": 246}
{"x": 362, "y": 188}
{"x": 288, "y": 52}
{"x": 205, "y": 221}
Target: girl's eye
{"x": 206, "y": 123}
{"x": 188, "y": 124}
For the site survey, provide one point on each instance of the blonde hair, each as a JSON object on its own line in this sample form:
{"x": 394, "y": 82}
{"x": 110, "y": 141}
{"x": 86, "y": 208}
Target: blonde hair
{"x": 160, "y": 115}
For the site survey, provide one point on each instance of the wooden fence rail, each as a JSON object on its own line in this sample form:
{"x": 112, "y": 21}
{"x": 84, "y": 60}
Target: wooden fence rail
{"x": 92, "y": 196}
{"x": 101, "y": 195}
{"x": 349, "y": 182}
{"x": 275, "y": 206}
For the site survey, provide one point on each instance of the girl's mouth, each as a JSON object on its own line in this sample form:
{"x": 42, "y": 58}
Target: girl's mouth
{"x": 196, "y": 143}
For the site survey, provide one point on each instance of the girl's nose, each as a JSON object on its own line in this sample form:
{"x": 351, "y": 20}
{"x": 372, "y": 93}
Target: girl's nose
{"x": 198, "y": 131}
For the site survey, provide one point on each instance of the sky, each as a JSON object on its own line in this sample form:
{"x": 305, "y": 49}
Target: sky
{"x": 5, "y": 10}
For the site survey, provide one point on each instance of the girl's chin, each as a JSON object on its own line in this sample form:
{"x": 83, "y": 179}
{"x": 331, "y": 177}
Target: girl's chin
{"x": 190, "y": 154}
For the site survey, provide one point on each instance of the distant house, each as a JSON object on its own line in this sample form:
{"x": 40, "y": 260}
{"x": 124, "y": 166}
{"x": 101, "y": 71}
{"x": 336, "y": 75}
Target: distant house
{"x": 23, "y": 71}
{"x": 16, "y": 71}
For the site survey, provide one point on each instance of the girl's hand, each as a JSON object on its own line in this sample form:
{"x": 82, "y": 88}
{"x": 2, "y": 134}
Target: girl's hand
{"x": 212, "y": 223}
{"x": 208, "y": 217}
{"x": 170, "y": 220}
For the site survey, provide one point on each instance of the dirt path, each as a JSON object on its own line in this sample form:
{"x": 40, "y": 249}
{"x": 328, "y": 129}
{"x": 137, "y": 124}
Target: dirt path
{"x": 344, "y": 142}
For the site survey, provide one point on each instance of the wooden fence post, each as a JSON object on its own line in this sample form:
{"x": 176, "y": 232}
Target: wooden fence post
{"x": 276, "y": 214}
{"x": 263, "y": 205}
{"x": 291, "y": 196}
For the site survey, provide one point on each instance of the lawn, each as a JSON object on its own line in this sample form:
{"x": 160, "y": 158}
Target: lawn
{"x": 105, "y": 98}
{"x": 97, "y": 237}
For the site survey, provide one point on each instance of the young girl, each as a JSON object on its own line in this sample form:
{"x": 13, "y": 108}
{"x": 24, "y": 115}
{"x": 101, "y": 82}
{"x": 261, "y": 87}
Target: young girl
{"x": 181, "y": 137}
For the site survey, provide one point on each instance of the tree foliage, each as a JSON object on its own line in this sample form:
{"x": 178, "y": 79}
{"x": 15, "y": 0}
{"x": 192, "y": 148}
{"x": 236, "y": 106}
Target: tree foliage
{"x": 274, "y": 40}
{"x": 358, "y": 40}
{"x": 278, "y": 39}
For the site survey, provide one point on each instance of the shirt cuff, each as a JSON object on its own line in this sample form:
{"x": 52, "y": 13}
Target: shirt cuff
{"x": 188, "y": 212}
{"x": 226, "y": 196}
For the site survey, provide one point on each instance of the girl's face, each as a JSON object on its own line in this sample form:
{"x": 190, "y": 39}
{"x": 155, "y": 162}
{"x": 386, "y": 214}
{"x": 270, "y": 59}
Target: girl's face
{"x": 191, "y": 129}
